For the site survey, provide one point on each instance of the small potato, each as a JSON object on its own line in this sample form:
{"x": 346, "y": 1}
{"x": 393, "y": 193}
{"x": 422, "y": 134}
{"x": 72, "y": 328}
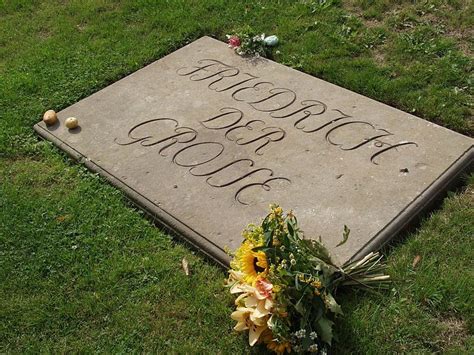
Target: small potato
{"x": 50, "y": 117}
{"x": 71, "y": 122}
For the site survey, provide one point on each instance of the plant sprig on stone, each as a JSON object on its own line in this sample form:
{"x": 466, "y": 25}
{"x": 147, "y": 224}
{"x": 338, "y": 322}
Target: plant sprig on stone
{"x": 247, "y": 42}
{"x": 286, "y": 285}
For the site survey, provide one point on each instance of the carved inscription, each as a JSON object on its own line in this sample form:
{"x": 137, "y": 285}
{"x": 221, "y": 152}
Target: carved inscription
{"x": 175, "y": 134}
{"x": 241, "y": 132}
{"x": 207, "y": 158}
{"x": 309, "y": 116}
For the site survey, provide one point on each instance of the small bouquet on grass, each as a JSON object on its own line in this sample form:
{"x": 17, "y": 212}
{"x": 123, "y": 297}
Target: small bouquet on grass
{"x": 249, "y": 43}
{"x": 285, "y": 285}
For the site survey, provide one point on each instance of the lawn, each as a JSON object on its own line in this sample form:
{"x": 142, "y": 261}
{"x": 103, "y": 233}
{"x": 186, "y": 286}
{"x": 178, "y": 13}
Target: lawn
{"x": 82, "y": 270}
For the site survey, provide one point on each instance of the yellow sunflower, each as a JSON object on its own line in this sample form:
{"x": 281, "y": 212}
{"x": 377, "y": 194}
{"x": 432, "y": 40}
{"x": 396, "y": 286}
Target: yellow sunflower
{"x": 277, "y": 347}
{"x": 252, "y": 263}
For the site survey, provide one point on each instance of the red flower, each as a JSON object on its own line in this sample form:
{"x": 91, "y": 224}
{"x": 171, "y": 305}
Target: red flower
{"x": 234, "y": 41}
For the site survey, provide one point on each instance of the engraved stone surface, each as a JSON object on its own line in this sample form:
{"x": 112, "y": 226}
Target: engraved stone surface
{"x": 205, "y": 140}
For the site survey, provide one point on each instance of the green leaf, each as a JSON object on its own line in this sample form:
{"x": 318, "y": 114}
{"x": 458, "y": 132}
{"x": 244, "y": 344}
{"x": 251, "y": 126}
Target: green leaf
{"x": 291, "y": 230}
{"x": 299, "y": 307}
{"x": 345, "y": 236}
{"x": 324, "y": 326}
{"x": 263, "y": 248}
{"x": 268, "y": 238}
{"x": 333, "y": 305}
{"x": 306, "y": 342}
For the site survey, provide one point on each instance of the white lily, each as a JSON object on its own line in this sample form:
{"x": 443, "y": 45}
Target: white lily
{"x": 238, "y": 284}
{"x": 243, "y": 317}
{"x": 261, "y": 306}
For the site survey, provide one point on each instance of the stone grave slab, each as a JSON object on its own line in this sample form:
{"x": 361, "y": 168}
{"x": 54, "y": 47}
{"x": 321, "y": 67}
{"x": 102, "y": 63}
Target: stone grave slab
{"x": 205, "y": 140}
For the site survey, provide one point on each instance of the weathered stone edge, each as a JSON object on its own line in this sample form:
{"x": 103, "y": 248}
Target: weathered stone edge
{"x": 158, "y": 214}
{"x": 422, "y": 203}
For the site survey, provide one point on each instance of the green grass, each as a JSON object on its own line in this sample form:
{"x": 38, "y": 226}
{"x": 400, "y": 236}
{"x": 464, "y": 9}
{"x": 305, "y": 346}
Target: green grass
{"x": 82, "y": 270}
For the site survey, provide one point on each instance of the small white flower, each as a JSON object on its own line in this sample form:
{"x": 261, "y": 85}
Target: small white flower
{"x": 313, "y": 335}
{"x": 313, "y": 348}
{"x": 293, "y": 262}
{"x": 300, "y": 333}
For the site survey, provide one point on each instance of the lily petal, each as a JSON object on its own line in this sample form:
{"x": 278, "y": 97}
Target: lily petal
{"x": 254, "y": 334}
{"x": 259, "y": 295}
{"x": 237, "y": 300}
{"x": 268, "y": 304}
{"x": 251, "y": 301}
{"x": 260, "y": 311}
{"x": 257, "y": 320}
{"x": 241, "y": 313}
{"x": 241, "y": 326}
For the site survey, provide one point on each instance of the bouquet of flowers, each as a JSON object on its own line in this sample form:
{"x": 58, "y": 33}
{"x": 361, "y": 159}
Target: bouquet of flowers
{"x": 286, "y": 285}
{"x": 249, "y": 43}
